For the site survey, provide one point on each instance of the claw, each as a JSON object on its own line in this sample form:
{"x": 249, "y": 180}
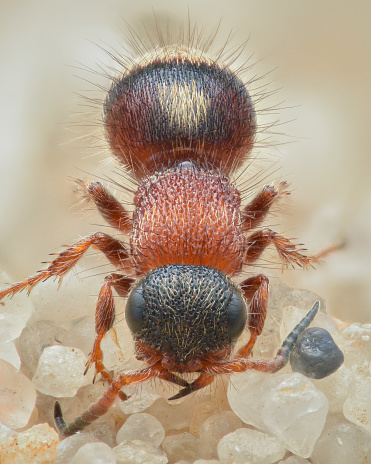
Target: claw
{"x": 183, "y": 392}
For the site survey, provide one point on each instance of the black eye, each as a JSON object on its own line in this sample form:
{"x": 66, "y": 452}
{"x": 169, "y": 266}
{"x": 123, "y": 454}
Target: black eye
{"x": 135, "y": 310}
{"x": 236, "y": 316}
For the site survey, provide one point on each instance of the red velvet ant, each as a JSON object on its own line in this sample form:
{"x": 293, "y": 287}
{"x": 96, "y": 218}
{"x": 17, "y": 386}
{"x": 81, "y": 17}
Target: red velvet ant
{"x": 181, "y": 124}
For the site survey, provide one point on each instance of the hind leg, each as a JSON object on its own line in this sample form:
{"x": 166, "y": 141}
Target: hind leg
{"x": 108, "y": 206}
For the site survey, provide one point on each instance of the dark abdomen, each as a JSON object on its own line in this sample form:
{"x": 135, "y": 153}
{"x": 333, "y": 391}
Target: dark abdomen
{"x": 173, "y": 107}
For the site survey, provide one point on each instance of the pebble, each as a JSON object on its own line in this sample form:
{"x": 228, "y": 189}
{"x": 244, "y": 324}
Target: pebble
{"x": 315, "y": 354}
{"x": 60, "y": 371}
{"x": 94, "y": 453}
{"x": 249, "y": 446}
{"x": 37, "y": 445}
{"x": 17, "y": 396}
{"x": 141, "y": 426}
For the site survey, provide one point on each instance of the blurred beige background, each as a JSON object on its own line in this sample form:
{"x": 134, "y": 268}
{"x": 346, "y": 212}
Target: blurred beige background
{"x": 319, "y": 54}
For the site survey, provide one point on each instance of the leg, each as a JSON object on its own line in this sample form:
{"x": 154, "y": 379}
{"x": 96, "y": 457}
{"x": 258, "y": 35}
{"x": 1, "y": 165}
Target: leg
{"x": 288, "y": 251}
{"x": 109, "y": 208}
{"x": 201, "y": 382}
{"x": 104, "y": 318}
{"x": 266, "y": 365}
{"x": 114, "y": 250}
{"x": 255, "y": 290}
{"x": 255, "y": 212}
{"x": 103, "y": 403}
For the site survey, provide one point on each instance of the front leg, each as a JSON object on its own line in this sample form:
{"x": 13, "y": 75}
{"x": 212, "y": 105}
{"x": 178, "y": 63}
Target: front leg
{"x": 105, "y": 317}
{"x": 265, "y": 365}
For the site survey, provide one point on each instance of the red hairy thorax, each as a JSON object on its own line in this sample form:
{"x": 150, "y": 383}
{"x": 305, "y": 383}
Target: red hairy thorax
{"x": 187, "y": 215}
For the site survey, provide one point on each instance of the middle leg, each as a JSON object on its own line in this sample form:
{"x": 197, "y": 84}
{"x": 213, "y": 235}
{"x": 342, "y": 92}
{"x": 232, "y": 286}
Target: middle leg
{"x": 108, "y": 206}
{"x": 113, "y": 249}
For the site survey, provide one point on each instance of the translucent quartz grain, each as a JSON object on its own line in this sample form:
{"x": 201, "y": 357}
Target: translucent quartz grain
{"x": 94, "y": 453}
{"x": 36, "y": 445}
{"x": 291, "y": 316}
{"x": 213, "y": 429}
{"x": 14, "y": 312}
{"x": 8, "y": 352}
{"x": 181, "y": 446}
{"x": 140, "y": 398}
{"x": 354, "y": 342}
{"x": 249, "y": 446}
{"x": 207, "y": 461}
{"x": 336, "y": 387}
{"x": 35, "y": 337}
{"x": 117, "y": 351}
{"x": 342, "y": 443}
{"x": 60, "y": 371}
{"x": 68, "y": 447}
{"x": 287, "y": 406}
{"x": 139, "y": 452}
{"x": 357, "y": 407}
{"x": 172, "y": 416}
{"x": 72, "y": 300}
{"x": 4, "y": 430}
{"x": 17, "y": 397}
{"x": 295, "y": 460}
{"x": 82, "y": 334}
{"x": 142, "y": 427}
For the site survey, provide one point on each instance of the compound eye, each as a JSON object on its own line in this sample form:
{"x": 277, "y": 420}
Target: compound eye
{"x": 236, "y": 316}
{"x": 135, "y": 309}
